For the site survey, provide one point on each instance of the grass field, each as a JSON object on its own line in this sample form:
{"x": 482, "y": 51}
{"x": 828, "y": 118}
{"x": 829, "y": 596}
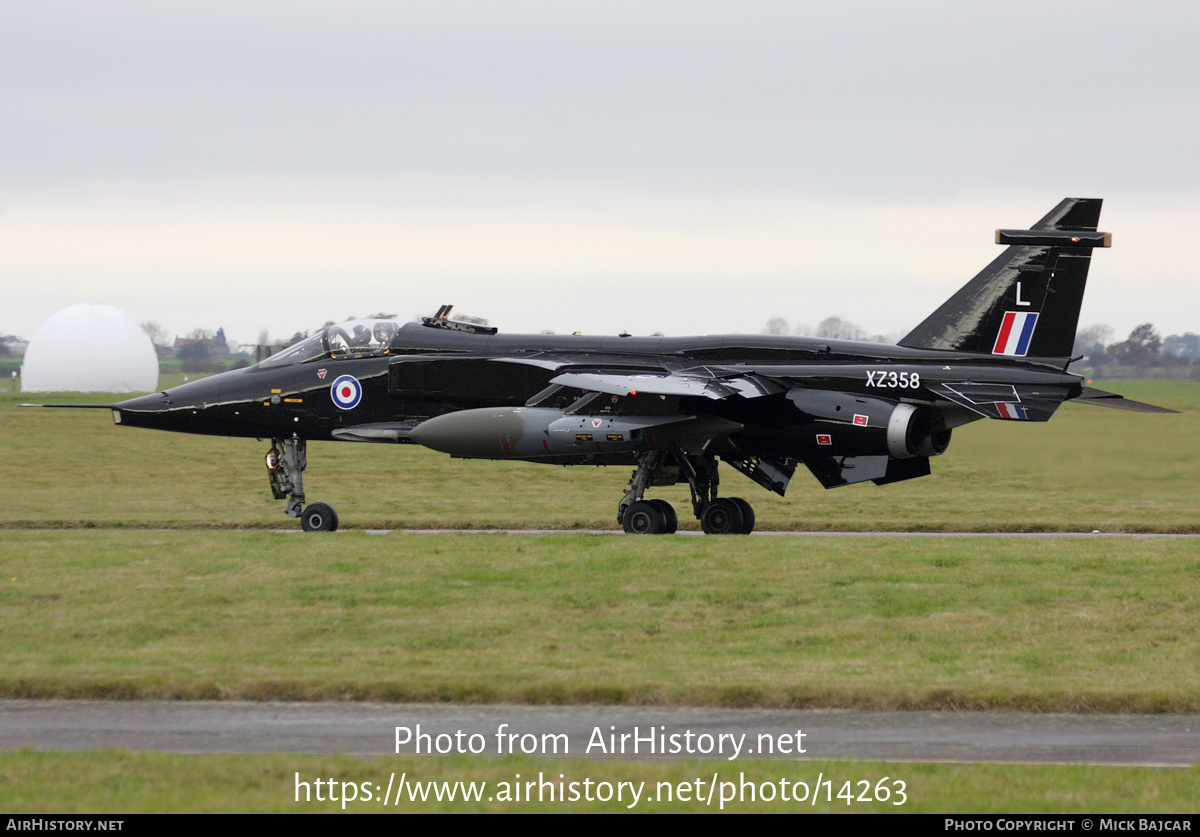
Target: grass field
{"x": 1045, "y": 624}
{"x": 1089, "y": 468}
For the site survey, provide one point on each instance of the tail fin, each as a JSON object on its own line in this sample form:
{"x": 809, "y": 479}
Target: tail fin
{"x": 1027, "y": 301}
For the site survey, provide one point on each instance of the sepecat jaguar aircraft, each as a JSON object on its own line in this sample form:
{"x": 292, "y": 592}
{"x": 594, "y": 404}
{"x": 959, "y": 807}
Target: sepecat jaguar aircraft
{"x": 671, "y": 406}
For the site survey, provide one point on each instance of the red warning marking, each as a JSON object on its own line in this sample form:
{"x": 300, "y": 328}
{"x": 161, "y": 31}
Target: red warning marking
{"x": 824, "y": 439}
{"x": 860, "y": 420}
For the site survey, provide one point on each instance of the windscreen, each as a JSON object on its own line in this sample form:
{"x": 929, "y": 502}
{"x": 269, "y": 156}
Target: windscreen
{"x": 309, "y": 348}
{"x": 351, "y": 339}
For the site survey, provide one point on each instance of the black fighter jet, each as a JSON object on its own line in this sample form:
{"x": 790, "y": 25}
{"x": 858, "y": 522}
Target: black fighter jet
{"x": 672, "y": 406}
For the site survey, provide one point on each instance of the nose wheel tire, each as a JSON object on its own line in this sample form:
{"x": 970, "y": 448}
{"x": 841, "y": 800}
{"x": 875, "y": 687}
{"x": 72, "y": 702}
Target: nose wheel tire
{"x": 319, "y": 517}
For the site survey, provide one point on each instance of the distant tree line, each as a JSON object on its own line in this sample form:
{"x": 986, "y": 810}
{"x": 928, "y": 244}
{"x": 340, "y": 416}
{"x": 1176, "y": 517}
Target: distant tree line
{"x": 1144, "y": 354}
{"x": 12, "y": 346}
{"x": 200, "y": 350}
{"x": 831, "y": 328}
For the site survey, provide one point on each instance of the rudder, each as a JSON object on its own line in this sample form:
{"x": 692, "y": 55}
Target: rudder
{"x": 1027, "y": 301}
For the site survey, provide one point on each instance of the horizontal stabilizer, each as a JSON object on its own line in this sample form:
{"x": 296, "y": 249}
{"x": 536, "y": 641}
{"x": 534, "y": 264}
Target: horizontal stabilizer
{"x": 1110, "y": 399}
{"x": 1006, "y": 402}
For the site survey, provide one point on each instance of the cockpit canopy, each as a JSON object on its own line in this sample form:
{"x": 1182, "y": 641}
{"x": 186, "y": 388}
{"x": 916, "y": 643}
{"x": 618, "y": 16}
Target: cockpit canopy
{"x": 351, "y": 339}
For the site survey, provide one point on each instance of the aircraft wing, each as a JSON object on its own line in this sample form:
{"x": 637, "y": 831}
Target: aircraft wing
{"x": 540, "y": 362}
{"x": 1110, "y": 399}
{"x": 707, "y": 384}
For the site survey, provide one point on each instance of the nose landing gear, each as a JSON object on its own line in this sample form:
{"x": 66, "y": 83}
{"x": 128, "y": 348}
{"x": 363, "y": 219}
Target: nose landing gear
{"x": 286, "y": 462}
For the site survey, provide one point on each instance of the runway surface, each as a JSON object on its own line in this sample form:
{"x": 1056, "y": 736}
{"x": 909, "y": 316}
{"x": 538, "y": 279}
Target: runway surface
{"x": 370, "y": 729}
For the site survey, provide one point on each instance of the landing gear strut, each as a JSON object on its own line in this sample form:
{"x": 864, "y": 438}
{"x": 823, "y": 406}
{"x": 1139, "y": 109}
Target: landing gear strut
{"x": 286, "y": 462}
{"x": 717, "y": 516}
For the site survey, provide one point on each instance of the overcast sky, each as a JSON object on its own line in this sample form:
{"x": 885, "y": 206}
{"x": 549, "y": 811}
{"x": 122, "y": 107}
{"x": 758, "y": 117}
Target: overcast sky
{"x": 683, "y": 167}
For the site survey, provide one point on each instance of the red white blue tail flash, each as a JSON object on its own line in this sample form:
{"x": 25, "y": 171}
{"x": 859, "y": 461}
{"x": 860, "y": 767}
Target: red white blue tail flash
{"x": 1009, "y": 410}
{"x": 1015, "y": 333}
{"x": 346, "y": 392}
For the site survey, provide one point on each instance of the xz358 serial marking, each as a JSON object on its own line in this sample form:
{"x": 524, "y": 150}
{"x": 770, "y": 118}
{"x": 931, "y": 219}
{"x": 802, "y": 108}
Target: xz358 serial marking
{"x": 902, "y": 380}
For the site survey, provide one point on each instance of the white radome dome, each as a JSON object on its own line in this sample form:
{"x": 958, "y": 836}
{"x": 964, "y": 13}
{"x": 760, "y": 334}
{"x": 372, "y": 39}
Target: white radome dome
{"x": 90, "y": 348}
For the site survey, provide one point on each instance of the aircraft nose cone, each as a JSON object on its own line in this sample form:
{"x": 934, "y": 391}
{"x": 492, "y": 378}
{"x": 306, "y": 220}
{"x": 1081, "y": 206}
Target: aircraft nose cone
{"x": 176, "y": 408}
{"x": 143, "y": 411}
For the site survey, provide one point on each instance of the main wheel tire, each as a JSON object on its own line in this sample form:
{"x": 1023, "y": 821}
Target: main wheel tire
{"x": 721, "y": 517}
{"x": 644, "y": 518}
{"x": 747, "y": 515}
{"x": 319, "y": 517}
{"x": 670, "y": 518}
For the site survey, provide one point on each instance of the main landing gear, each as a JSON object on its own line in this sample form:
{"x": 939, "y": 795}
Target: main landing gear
{"x": 286, "y": 462}
{"x": 718, "y": 516}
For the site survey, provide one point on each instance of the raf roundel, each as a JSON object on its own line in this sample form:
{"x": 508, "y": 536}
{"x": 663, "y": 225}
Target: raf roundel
{"x": 346, "y": 392}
